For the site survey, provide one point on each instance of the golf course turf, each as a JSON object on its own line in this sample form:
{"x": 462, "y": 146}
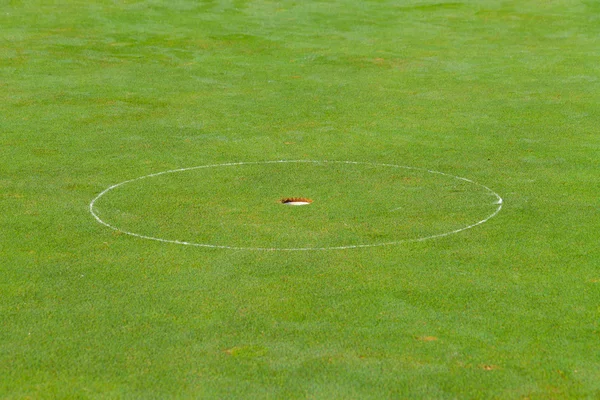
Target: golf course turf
{"x": 449, "y": 153}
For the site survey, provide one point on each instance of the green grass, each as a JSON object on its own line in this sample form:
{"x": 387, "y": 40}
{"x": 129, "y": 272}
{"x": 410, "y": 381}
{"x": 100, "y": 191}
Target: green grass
{"x": 94, "y": 93}
{"x": 239, "y": 205}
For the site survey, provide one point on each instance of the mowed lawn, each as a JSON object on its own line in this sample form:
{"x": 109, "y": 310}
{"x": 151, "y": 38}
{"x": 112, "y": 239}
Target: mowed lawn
{"x": 98, "y": 92}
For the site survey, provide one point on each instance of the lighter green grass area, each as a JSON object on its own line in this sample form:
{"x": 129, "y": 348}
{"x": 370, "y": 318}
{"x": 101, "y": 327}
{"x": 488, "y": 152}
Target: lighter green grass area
{"x": 505, "y": 93}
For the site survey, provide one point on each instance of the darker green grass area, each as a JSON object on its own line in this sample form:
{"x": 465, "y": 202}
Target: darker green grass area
{"x": 97, "y": 92}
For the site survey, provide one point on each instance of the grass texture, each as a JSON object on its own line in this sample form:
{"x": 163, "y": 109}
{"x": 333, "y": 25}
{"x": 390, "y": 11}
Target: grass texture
{"x": 99, "y": 92}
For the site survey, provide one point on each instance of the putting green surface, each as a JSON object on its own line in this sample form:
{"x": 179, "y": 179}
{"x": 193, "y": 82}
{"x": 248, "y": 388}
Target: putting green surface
{"x": 239, "y": 205}
{"x": 109, "y": 107}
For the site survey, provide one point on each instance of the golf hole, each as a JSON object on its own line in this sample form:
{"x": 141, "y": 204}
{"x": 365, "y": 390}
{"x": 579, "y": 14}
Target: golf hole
{"x": 295, "y": 201}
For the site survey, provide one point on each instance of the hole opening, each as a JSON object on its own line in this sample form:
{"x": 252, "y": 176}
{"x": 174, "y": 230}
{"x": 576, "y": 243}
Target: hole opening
{"x": 296, "y": 201}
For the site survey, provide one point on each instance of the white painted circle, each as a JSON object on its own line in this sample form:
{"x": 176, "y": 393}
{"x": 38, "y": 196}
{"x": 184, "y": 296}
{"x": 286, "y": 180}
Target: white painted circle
{"x": 488, "y": 199}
